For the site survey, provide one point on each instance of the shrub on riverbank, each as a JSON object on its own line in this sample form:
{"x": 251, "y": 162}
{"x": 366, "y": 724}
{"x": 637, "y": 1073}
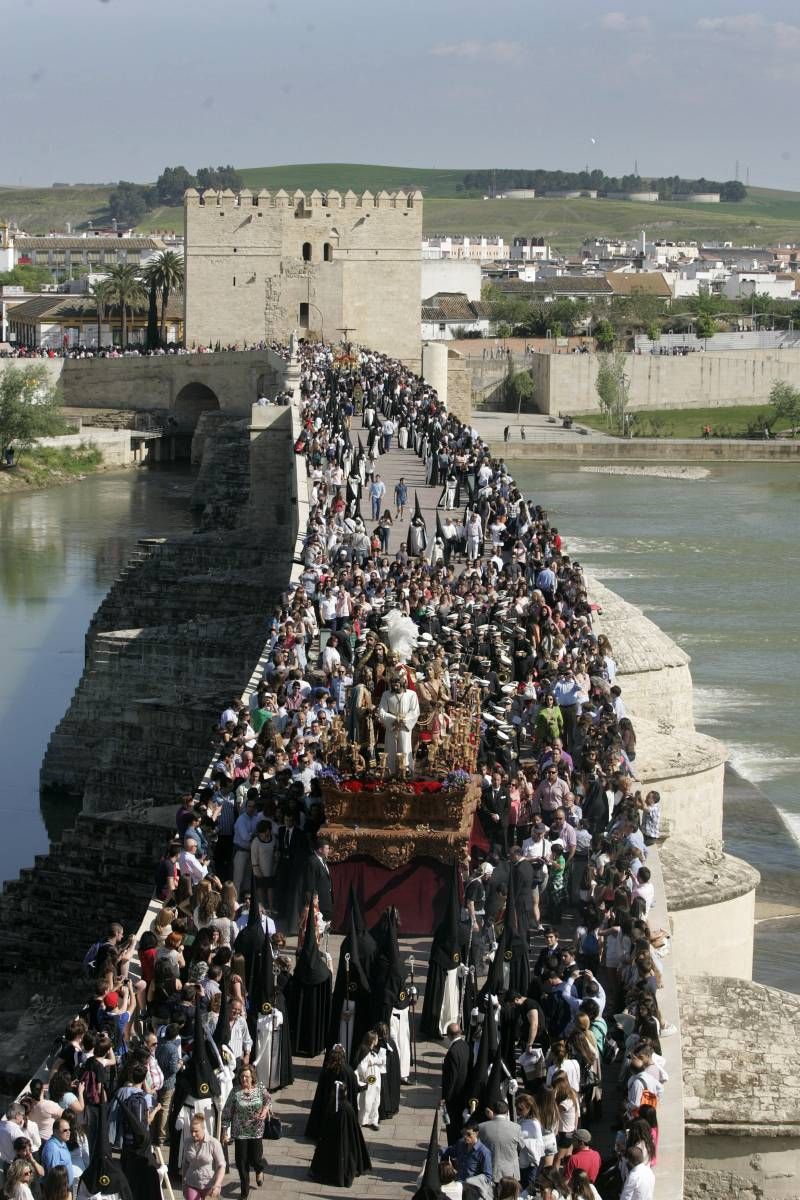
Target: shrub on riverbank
{"x": 44, "y": 466}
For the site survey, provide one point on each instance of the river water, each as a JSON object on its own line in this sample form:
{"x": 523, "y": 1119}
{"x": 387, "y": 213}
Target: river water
{"x": 60, "y": 551}
{"x": 716, "y": 564}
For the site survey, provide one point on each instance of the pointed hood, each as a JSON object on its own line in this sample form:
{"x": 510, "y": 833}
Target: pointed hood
{"x": 202, "y": 1079}
{"x": 221, "y": 1034}
{"x": 350, "y": 946}
{"x": 511, "y": 952}
{"x": 430, "y": 1187}
{"x": 439, "y": 527}
{"x": 311, "y": 968}
{"x": 250, "y": 940}
{"x": 367, "y": 946}
{"x": 103, "y": 1176}
{"x": 498, "y": 1076}
{"x": 446, "y": 948}
{"x": 360, "y": 447}
{"x": 417, "y": 510}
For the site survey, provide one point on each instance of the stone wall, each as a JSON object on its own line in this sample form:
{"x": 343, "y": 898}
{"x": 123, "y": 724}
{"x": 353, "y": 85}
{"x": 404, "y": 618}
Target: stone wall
{"x": 742, "y": 1090}
{"x": 352, "y": 262}
{"x": 177, "y": 385}
{"x": 566, "y": 382}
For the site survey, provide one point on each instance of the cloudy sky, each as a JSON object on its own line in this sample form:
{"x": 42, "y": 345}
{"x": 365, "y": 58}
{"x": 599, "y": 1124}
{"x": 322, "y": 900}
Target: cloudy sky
{"x": 95, "y": 90}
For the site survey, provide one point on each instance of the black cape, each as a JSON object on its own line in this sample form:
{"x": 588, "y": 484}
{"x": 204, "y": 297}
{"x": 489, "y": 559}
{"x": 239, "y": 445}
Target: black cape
{"x": 104, "y": 1174}
{"x": 445, "y": 956}
{"x": 390, "y": 1081}
{"x": 510, "y": 970}
{"x": 325, "y": 1096}
{"x": 353, "y": 987}
{"x": 197, "y": 1078}
{"x": 487, "y": 1052}
{"x": 309, "y": 999}
{"x": 250, "y": 940}
{"x": 265, "y": 997}
{"x": 388, "y": 978}
{"x": 341, "y": 1154}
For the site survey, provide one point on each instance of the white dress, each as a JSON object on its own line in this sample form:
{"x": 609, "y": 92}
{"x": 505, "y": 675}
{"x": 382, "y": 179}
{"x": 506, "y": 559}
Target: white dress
{"x": 368, "y": 1076}
{"x": 401, "y": 1033}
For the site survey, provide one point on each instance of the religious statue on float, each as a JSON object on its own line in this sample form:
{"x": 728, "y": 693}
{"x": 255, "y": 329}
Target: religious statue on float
{"x": 398, "y": 713}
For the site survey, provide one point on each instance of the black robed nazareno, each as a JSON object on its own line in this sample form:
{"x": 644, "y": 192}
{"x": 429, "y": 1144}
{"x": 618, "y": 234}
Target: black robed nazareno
{"x": 445, "y": 957}
{"x": 341, "y": 1154}
{"x": 309, "y": 999}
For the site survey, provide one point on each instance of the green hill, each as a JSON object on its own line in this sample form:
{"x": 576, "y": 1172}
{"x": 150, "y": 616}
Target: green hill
{"x": 357, "y": 176}
{"x": 766, "y": 216}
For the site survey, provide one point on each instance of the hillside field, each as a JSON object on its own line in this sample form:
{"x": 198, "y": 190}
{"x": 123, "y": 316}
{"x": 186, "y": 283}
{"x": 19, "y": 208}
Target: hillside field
{"x": 766, "y": 216}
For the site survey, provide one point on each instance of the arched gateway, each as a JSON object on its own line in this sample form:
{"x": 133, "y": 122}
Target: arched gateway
{"x": 190, "y": 402}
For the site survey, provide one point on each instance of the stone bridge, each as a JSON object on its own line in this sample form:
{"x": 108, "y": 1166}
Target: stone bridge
{"x": 181, "y": 386}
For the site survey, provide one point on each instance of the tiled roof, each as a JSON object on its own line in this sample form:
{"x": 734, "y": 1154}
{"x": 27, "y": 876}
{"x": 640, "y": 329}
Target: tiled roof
{"x": 453, "y": 306}
{"x": 88, "y": 243}
{"x": 62, "y": 307}
{"x": 559, "y": 285}
{"x": 651, "y": 283}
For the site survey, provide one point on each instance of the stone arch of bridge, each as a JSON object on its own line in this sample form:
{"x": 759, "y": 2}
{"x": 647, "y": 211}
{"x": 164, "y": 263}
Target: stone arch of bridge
{"x": 192, "y": 400}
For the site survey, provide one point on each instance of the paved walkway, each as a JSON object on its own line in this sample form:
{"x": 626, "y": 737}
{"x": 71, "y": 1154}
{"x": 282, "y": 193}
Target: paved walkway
{"x": 399, "y": 1147}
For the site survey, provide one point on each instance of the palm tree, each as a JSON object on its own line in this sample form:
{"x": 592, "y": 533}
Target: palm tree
{"x": 100, "y": 292}
{"x": 165, "y": 273}
{"x": 128, "y": 291}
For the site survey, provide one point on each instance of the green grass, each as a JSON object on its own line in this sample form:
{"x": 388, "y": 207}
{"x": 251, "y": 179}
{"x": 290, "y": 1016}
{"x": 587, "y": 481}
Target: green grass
{"x": 689, "y": 422}
{"x": 766, "y": 216}
{"x": 48, "y": 464}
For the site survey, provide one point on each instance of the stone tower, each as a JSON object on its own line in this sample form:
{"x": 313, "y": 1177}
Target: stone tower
{"x": 259, "y": 265}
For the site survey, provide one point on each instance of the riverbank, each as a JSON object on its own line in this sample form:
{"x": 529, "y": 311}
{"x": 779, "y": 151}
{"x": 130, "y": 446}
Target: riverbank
{"x": 649, "y": 450}
{"x": 48, "y": 466}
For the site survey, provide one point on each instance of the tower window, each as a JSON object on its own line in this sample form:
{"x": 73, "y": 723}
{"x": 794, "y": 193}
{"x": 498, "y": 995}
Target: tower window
{"x": 306, "y": 251}
{"x": 304, "y": 314}
{"x": 327, "y": 252}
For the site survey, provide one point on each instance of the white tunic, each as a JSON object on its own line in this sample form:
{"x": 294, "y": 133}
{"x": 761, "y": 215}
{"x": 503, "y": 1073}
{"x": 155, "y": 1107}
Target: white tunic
{"x": 401, "y": 1033}
{"x": 268, "y": 1060}
{"x": 369, "y": 1097}
{"x": 398, "y": 713}
{"x": 450, "y": 1011}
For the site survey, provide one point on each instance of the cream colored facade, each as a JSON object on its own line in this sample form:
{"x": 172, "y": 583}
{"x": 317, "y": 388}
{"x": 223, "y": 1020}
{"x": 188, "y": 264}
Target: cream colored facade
{"x": 259, "y": 265}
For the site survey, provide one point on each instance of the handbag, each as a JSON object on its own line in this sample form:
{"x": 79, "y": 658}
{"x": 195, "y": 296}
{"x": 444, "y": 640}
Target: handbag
{"x": 273, "y": 1129}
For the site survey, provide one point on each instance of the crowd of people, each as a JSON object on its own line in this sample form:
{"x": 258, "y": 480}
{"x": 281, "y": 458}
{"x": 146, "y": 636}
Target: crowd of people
{"x": 391, "y": 633}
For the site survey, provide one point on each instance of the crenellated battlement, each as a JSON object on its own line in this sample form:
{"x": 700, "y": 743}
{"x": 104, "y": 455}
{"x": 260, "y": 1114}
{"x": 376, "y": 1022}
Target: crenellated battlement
{"x": 332, "y": 199}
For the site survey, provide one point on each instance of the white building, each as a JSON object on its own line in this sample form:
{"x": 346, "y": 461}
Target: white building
{"x": 451, "y": 275}
{"x": 743, "y": 284}
{"x": 480, "y": 249}
{"x": 447, "y": 315}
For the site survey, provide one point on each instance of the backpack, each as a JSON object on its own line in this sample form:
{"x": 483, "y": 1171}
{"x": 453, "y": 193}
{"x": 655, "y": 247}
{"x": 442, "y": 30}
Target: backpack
{"x": 93, "y": 1090}
{"x": 90, "y": 957}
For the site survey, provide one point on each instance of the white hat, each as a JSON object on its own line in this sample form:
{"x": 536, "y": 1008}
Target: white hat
{"x": 486, "y": 868}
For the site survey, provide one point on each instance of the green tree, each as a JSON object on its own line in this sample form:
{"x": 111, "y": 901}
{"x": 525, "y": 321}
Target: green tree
{"x": 611, "y": 386}
{"x": 172, "y": 183}
{"x": 128, "y": 292}
{"x": 219, "y": 177}
{"x": 786, "y": 401}
{"x": 520, "y": 388}
{"x": 29, "y": 407}
{"x": 604, "y": 335}
{"x": 24, "y": 275}
{"x": 129, "y": 202}
{"x": 165, "y": 273}
{"x": 705, "y": 326}
{"x": 100, "y": 293}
